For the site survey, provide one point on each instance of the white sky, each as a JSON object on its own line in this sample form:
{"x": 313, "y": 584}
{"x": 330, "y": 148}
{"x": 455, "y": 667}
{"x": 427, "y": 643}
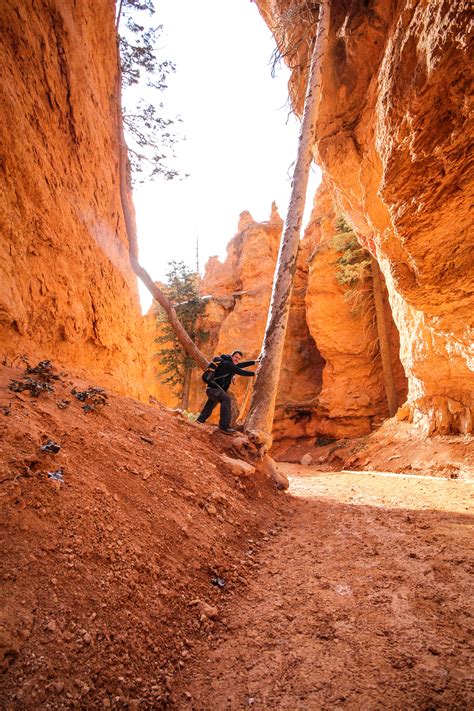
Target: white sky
{"x": 239, "y": 144}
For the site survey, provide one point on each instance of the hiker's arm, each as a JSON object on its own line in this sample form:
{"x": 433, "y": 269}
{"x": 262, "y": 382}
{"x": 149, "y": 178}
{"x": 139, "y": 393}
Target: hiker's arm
{"x": 247, "y": 363}
{"x": 239, "y": 371}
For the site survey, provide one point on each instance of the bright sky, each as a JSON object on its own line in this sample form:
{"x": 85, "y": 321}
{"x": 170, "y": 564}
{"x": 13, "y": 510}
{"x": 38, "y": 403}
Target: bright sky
{"x": 240, "y": 143}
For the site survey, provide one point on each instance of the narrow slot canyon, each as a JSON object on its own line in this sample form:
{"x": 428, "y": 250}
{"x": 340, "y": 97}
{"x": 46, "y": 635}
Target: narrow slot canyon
{"x": 176, "y": 531}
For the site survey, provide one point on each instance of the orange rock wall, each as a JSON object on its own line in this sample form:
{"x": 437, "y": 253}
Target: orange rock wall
{"x": 352, "y": 399}
{"x": 67, "y": 291}
{"x": 393, "y": 139}
{"x": 236, "y": 316}
{"x": 331, "y": 381}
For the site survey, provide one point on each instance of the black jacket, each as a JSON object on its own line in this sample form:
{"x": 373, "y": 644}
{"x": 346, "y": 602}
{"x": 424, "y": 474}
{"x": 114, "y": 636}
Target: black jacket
{"x": 225, "y": 369}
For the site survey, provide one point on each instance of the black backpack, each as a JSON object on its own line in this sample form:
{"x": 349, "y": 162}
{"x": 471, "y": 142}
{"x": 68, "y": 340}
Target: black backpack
{"x": 209, "y": 373}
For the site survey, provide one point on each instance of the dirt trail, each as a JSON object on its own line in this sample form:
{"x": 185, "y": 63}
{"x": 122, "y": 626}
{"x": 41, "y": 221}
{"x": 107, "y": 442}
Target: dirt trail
{"x": 361, "y": 600}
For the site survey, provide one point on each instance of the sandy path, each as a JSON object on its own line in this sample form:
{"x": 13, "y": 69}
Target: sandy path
{"x": 362, "y": 599}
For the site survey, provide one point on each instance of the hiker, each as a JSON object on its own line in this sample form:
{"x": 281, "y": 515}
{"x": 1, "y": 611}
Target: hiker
{"x": 218, "y": 376}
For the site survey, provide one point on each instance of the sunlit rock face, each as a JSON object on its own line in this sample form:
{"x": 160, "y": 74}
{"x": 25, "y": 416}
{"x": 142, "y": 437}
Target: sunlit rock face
{"x": 236, "y": 313}
{"x": 392, "y": 139}
{"x": 352, "y": 399}
{"x": 67, "y": 291}
{"x": 331, "y": 381}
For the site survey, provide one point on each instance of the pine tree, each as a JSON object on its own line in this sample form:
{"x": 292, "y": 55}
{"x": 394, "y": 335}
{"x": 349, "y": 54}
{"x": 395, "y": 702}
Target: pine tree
{"x": 353, "y": 271}
{"x": 151, "y": 135}
{"x": 175, "y": 364}
{"x": 125, "y": 180}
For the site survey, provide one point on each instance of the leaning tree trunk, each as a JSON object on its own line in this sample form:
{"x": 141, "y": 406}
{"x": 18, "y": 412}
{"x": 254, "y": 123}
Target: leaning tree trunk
{"x": 262, "y": 409}
{"x": 186, "y": 388}
{"x": 384, "y": 342}
{"x": 125, "y": 197}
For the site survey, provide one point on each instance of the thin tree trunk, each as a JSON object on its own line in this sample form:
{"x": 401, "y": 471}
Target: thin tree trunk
{"x": 186, "y": 388}
{"x": 384, "y": 342}
{"x": 125, "y": 196}
{"x": 262, "y": 408}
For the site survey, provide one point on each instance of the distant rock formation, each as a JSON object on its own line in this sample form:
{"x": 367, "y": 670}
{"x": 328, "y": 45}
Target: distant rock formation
{"x": 330, "y": 382}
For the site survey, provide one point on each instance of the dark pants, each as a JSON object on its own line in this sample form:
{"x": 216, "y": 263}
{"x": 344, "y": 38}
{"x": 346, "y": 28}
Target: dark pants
{"x": 215, "y": 396}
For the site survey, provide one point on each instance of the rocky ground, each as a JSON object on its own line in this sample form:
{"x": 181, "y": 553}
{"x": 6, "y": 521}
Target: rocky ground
{"x": 139, "y": 571}
{"x": 361, "y": 600}
{"x": 394, "y": 447}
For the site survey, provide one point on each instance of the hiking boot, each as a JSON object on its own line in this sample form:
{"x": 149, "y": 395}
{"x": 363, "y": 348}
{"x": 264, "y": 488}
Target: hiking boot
{"x": 227, "y": 430}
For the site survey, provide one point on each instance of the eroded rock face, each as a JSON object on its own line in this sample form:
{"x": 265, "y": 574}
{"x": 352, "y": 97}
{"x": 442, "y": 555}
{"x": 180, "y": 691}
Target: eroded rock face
{"x": 393, "y": 137}
{"x": 67, "y": 291}
{"x": 239, "y": 292}
{"x": 353, "y": 398}
{"x": 331, "y": 381}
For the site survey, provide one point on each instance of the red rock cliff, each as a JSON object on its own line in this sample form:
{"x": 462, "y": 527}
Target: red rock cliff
{"x": 67, "y": 291}
{"x": 392, "y": 139}
{"x": 331, "y": 379}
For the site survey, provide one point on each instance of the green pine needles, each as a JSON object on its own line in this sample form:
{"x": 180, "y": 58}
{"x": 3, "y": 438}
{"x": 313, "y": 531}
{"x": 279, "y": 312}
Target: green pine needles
{"x": 354, "y": 262}
{"x": 354, "y": 271}
{"x": 182, "y": 290}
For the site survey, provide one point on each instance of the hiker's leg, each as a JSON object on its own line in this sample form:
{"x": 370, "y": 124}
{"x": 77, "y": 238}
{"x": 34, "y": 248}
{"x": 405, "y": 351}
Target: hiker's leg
{"x": 226, "y": 413}
{"x": 208, "y": 407}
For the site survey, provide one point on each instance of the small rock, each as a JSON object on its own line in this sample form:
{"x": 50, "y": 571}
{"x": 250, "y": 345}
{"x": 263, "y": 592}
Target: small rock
{"x": 238, "y": 467}
{"x": 306, "y": 460}
{"x": 403, "y": 413}
{"x": 87, "y": 638}
{"x": 211, "y": 510}
{"x": 207, "y": 611}
{"x": 51, "y": 626}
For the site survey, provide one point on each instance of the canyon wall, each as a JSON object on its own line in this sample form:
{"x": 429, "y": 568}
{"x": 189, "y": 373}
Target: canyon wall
{"x": 392, "y": 139}
{"x": 331, "y": 382}
{"x": 343, "y": 323}
{"x": 67, "y": 291}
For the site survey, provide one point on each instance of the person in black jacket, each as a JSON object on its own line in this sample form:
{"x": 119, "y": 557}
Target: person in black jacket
{"x": 224, "y": 367}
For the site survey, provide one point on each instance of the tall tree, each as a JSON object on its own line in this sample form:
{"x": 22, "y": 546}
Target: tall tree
{"x": 176, "y": 365}
{"x": 151, "y": 134}
{"x": 384, "y": 341}
{"x": 262, "y": 408}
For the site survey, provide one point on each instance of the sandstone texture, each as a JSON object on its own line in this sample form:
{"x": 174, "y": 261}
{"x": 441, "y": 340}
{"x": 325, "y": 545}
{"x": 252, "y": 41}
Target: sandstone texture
{"x": 352, "y": 399}
{"x": 236, "y": 315}
{"x": 67, "y": 291}
{"x": 331, "y": 383}
{"x": 392, "y": 140}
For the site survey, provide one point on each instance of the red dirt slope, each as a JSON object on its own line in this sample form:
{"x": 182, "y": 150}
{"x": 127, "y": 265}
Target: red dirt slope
{"x": 106, "y": 577}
